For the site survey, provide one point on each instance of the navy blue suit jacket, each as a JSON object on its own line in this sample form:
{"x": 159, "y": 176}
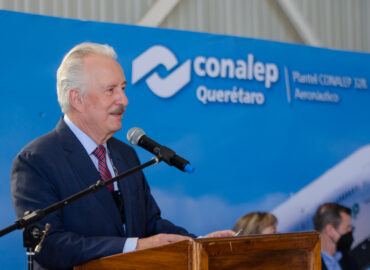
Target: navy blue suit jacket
{"x": 56, "y": 166}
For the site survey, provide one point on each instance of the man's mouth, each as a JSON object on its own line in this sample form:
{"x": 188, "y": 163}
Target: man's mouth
{"x": 118, "y": 111}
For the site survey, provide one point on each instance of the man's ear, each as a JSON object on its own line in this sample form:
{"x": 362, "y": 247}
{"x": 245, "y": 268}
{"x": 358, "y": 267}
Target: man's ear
{"x": 75, "y": 99}
{"x": 329, "y": 229}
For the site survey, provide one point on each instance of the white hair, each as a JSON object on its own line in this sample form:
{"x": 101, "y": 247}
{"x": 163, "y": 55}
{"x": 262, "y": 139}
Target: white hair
{"x": 70, "y": 74}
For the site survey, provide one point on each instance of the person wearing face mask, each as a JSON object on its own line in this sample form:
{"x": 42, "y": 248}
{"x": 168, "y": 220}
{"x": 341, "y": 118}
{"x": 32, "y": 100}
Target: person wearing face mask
{"x": 333, "y": 221}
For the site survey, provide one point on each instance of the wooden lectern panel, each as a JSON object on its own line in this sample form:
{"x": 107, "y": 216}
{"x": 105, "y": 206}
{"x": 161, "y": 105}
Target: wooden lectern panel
{"x": 289, "y": 251}
{"x": 177, "y": 256}
{"x": 275, "y": 251}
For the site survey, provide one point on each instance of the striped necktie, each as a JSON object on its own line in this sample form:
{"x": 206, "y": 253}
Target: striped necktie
{"x": 99, "y": 152}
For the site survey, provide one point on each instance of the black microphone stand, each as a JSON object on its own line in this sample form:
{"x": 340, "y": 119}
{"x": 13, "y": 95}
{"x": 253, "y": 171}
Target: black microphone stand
{"x": 33, "y": 236}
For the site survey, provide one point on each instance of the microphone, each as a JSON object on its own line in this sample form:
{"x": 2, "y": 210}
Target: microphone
{"x": 136, "y": 136}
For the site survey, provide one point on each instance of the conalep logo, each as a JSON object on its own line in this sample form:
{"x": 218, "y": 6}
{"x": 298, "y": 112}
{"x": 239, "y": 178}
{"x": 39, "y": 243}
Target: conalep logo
{"x": 149, "y": 60}
{"x": 212, "y": 67}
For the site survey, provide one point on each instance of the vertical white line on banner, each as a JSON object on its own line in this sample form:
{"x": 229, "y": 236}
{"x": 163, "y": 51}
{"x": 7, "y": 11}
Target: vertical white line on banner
{"x": 287, "y": 83}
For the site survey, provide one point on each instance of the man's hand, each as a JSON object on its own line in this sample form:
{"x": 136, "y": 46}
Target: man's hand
{"x": 159, "y": 239}
{"x": 225, "y": 233}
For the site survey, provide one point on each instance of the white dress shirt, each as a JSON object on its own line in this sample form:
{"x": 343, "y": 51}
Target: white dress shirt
{"x": 332, "y": 262}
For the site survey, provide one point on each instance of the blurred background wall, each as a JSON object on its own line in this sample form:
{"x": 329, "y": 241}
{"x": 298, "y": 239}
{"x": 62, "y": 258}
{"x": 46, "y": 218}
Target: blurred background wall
{"x": 337, "y": 24}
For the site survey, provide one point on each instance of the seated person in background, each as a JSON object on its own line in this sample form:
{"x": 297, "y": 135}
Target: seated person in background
{"x": 256, "y": 223}
{"x": 333, "y": 221}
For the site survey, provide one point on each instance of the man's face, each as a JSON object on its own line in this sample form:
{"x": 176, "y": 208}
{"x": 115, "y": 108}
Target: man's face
{"x": 344, "y": 227}
{"x": 105, "y": 101}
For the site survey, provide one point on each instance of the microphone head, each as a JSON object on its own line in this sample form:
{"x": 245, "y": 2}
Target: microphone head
{"x": 188, "y": 168}
{"x": 134, "y": 135}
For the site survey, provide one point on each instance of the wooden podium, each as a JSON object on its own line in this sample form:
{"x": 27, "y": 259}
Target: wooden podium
{"x": 257, "y": 252}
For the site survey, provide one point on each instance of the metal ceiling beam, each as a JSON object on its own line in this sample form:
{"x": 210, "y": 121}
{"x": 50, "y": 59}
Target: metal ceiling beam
{"x": 157, "y": 13}
{"x": 299, "y": 23}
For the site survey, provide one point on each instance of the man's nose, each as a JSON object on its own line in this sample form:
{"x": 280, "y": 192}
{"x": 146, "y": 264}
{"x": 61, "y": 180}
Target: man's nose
{"x": 122, "y": 98}
{"x": 125, "y": 99}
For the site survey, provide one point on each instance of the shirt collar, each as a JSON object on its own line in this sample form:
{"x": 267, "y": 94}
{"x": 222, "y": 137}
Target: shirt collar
{"x": 84, "y": 139}
{"x": 337, "y": 256}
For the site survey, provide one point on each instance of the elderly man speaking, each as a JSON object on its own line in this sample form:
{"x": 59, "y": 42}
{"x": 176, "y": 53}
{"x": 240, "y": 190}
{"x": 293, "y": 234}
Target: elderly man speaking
{"x": 80, "y": 150}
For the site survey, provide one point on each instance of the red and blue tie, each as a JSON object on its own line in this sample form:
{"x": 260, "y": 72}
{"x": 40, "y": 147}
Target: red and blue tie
{"x": 99, "y": 152}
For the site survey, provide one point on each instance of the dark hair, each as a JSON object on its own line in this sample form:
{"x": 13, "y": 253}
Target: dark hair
{"x": 329, "y": 213}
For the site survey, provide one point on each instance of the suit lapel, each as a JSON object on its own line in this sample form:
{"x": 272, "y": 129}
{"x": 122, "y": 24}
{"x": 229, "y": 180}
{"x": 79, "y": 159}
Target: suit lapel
{"x": 86, "y": 173}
